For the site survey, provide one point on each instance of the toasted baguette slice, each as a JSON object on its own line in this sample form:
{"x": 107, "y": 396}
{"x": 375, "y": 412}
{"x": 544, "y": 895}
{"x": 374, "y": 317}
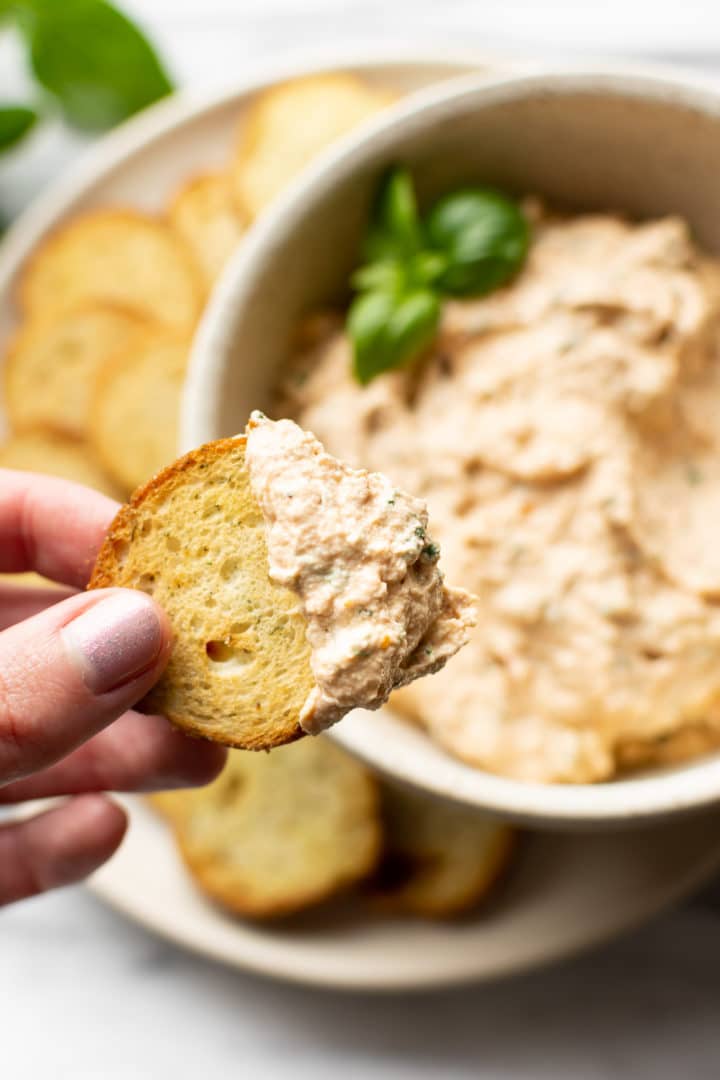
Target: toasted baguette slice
{"x": 135, "y": 406}
{"x": 52, "y": 365}
{"x": 289, "y": 124}
{"x": 276, "y": 833}
{"x": 205, "y": 215}
{"x": 49, "y": 452}
{"x": 116, "y": 256}
{"x": 194, "y": 538}
{"x": 440, "y": 859}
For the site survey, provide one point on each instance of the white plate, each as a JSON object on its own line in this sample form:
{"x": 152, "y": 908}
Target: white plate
{"x": 565, "y": 893}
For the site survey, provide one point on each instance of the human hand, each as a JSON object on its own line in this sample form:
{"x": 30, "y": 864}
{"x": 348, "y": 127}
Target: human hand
{"x": 71, "y": 664}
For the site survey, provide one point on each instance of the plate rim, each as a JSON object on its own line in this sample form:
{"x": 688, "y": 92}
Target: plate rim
{"x": 270, "y": 967}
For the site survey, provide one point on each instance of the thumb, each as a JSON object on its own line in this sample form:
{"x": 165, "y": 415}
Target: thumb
{"x": 71, "y": 670}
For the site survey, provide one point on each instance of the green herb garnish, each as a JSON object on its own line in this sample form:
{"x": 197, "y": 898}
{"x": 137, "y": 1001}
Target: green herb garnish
{"x": 470, "y": 242}
{"x": 395, "y": 230}
{"x": 388, "y": 328}
{"x": 484, "y": 236}
{"x": 431, "y": 552}
{"x": 93, "y": 64}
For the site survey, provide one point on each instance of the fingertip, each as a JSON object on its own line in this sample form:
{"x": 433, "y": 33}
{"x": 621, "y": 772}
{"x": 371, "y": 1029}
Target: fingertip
{"x": 102, "y": 819}
{"x": 86, "y": 831}
{"x": 179, "y": 760}
{"x": 200, "y": 763}
{"x": 58, "y": 847}
{"x": 123, "y": 636}
{"x": 72, "y": 669}
{"x": 215, "y": 759}
{"x": 166, "y": 631}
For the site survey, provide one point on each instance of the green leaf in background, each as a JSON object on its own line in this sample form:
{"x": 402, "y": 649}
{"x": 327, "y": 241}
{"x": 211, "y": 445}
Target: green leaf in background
{"x": 484, "y": 235}
{"x": 395, "y": 225}
{"x": 15, "y": 122}
{"x": 93, "y": 59}
{"x": 387, "y": 329}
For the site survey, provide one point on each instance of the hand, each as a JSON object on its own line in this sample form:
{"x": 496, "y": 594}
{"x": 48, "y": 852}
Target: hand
{"x": 71, "y": 663}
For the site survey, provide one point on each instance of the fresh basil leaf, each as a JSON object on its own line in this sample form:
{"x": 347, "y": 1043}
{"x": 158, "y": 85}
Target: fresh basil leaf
{"x": 367, "y": 320}
{"x": 388, "y": 329}
{"x": 386, "y": 275}
{"x": 15, "y": 122}
{"x": 427, "y": 268}
{"x": 93, "y": 59}
{"x": 484, "y": 235}
{"x": 420, "y": 271}
{"x": 395, "y": 230}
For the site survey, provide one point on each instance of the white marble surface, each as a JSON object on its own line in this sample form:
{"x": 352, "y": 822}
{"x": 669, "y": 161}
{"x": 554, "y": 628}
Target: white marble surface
{"x": 83, "y": 994}
{"x": 86, "y": 996}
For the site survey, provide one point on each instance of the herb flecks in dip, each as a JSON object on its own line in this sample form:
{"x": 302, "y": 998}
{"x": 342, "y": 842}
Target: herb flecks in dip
{"x": 565, "y": 433}
{"x": 357, "y": 552}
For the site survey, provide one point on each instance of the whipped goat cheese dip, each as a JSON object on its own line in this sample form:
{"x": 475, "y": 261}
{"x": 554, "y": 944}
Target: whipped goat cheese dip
{"x": 565, "y": 433}
{"x": 357, "y": 552}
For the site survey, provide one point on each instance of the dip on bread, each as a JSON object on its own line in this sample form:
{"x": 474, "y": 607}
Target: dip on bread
{"x": 357, "y": 552}
{"x": 565, "y": 434}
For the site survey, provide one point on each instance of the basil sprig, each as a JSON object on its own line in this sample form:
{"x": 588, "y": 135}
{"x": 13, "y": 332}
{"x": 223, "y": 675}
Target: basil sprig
{"x": 469, "y": 242}
{"x": 90, "y": 61}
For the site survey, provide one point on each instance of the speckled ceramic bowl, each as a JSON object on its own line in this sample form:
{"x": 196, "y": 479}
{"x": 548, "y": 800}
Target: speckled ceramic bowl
{"x": 646, "y": 143}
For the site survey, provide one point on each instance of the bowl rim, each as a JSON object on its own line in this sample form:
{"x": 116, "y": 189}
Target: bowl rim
{"x": 675, "y": 790}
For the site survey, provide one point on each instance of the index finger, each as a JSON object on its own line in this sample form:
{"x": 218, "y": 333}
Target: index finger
{"x": 53, "y": 526}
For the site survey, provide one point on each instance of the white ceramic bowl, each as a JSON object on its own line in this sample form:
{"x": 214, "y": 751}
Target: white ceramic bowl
{"x": 645, "y": 144}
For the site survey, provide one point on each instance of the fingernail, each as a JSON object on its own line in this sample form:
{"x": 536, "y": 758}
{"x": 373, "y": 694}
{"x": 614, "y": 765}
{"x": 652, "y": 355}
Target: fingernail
{"x": 114, "y": 641}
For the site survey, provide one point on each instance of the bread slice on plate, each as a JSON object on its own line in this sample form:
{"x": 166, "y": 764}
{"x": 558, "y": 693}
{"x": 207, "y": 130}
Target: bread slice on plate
{"x": 278, "y": 832}
{"x": 43, "y": 451}
{"x": 52, "y": 365}
{"x": 291, "y": 123}
{"x": 116, "y": 256}
{"x": 135, "y": 406}
{"x": 194, "y": 538}
{"x": 440, "y": 859}
{"x": 207, "y": 218}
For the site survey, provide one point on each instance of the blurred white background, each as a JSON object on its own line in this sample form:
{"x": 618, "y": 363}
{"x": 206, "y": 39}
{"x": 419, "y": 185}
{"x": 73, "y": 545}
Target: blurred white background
{"x": 83, "y": 994}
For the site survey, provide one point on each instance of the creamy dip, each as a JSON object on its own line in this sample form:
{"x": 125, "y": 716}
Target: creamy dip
{"x": 565, "y": 433}
{"x": 357, "y": 552}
